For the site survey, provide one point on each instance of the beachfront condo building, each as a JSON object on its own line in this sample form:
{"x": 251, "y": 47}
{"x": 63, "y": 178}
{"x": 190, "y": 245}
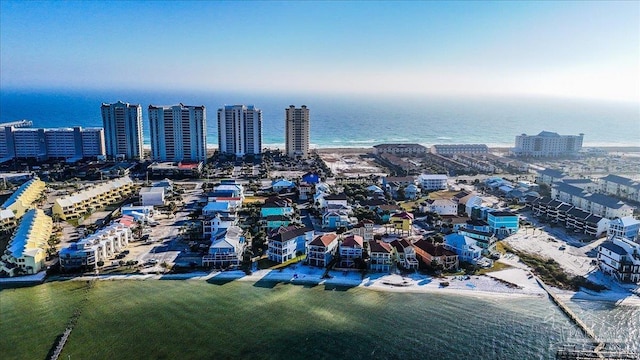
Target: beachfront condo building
{"x": 92, "y": 198}
{"x": 240, "y": 130}
{"x": 297, "y": 129}
{"x": 122, "y": 130}
{"x": 548, "y": 144}
{"x": 71, "y": 144}
{"x": 178, "y": 133}
{"x": 24, "y": 198}
{"x": 95, "y": 249}
{"x": 25, "y": 253}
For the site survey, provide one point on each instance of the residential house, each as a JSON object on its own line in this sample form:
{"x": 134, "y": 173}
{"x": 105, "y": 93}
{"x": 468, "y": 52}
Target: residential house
{"x": 620, "y": 257}
{"x": 275, "y": 221}
{"x": 466, "y": 247}
{"x": 333, "y": 219}
{"x": 139, "y": 213}
{"x": 226, "y": 249}
{"x": 94, "y": 250}
{"x": 402, "y": 221}
{"x": 375, "y": 189}
{"x": 276, "y": 205}
{"x": 217, "y": 223}
{"x": 214, "y": 207}
{"x": 379, "y": 256}
{"x": 336, "y": 199}
{"x": 25, "y": 252}
{"x": 405, "y": 254}
{"x": 439, "y": 206}
{"x": 311, "y": 178}
{"x": 351, "y": 251}
{"x": 431, "y": 254}
{"x": 468, "y": 202}
{"x": 485, "y": 239}
{"x": 321, "y": 250}
{"x": 503, "y": 223}
{"x": 364, "y": 229}
{"x": 287, "y": 242}
{"x": 627, "y": 227}
{"x": 411, "y": 192}
{"x": 384, "y": 212}
{"x": 152, "y": 196}
{"x": 305, "y": 191}
{"x": 283, "y": 185}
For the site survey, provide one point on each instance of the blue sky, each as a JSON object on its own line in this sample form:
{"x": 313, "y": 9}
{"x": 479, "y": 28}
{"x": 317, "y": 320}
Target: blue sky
{"x": 568, "y": 49}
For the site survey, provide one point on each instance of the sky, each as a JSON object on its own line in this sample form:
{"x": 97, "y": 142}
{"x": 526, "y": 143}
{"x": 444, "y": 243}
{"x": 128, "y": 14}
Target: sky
{"x": 575, "y": 49}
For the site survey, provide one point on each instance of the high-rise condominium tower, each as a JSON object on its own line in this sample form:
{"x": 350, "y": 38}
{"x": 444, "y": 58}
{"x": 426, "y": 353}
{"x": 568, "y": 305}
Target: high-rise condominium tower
{"x": 240, "y": 130}
{"x": 123, "y": 130}
{"x": 297, "y": 131}
{"x": 178, "y": 133}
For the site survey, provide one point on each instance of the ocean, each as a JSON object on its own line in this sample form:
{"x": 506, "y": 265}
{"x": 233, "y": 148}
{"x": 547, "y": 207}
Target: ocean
{"x": 357, "y": 121}
{"x": 170, "y": 319}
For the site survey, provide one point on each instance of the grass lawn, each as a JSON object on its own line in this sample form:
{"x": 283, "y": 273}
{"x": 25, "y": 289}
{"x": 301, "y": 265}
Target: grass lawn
{"x": 497, "y": 266}
{"x": 408, "y": 206}
{"x": 254, "y": 199}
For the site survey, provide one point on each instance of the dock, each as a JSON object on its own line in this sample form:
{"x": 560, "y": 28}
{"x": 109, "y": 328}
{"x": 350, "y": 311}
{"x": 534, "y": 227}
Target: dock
{"x": 568, "y": 312}
{"x": 596, "y": 349}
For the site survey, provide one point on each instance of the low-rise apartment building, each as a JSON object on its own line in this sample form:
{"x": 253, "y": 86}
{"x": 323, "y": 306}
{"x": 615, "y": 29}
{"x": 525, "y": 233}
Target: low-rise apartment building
{"x": 96, "y": 249}
{"x": 93, "y": 198}
{"x": 23, "y": 198}
{"x": 598, "y": 204}
{"x": 431, "y": 182}
{"x": 620, "y": 186}
{"x": 457, "y": 149}
{"x": 25, "y": 253}
{"x": 400, "y": 149}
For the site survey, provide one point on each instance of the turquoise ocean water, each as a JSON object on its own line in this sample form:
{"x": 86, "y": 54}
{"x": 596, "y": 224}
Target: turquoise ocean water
{"x": 357, "y": 121}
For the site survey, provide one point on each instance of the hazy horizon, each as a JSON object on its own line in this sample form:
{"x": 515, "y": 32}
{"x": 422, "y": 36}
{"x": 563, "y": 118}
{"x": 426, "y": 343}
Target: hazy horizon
{"x": 565, "y": 50}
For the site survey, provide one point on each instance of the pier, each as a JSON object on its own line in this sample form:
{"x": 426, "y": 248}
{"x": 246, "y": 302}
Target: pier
{"x": 596, "y": 350}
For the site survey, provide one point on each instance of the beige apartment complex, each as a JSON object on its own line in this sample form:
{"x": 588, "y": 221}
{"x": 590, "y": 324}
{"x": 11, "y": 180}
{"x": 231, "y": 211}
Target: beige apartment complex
{"x": 297, "y": 131}
{"x": 93, "y": 198}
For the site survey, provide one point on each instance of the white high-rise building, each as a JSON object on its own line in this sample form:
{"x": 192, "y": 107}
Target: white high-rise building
{"x": 548, "y": 144}
{"x": 178, "y": 133}
{"x": 297, "y": 131}
{"x": 123, "y": 130}
{"x": 240, "y": 130}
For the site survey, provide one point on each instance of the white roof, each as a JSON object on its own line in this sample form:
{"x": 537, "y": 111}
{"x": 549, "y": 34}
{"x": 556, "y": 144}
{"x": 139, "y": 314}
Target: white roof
{"x": 433, "y": 177}
{"x": 6, "y": 214}
{"x": 151, "y": 190}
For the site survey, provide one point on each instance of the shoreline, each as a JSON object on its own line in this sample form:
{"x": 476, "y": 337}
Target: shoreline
{"x": 361, "y": 148}
{"x": 504, "y": 284}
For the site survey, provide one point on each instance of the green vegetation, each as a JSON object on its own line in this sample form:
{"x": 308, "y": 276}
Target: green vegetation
{"x": 552, "y": 274}
{"x": 497, "y": 266}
